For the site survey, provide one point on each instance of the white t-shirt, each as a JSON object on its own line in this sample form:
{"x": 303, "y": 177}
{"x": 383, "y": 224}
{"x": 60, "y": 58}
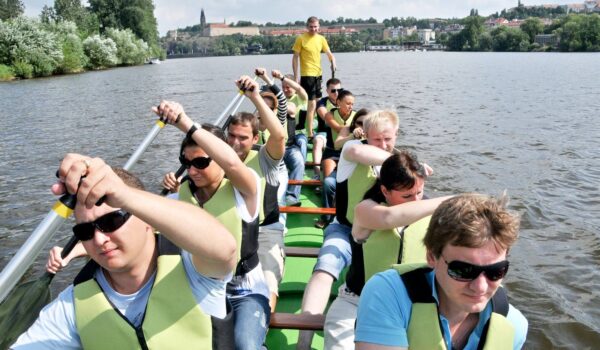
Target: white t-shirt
{"x": 55, "y": 328}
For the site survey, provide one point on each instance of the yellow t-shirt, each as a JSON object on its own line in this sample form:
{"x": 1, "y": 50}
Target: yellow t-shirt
{"x": 310, "y": 47}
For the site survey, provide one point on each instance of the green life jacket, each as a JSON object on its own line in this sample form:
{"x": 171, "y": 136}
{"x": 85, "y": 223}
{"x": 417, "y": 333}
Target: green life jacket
{"x": 332, "y": 134}
{"x": 269, "y": 207}
{"x": 424, "y": 332}
{"x": 222, "y": 206}
{"x": 351, "y": 191}
{"x": 172, "y": 319}
{"x": 383, "y": 249}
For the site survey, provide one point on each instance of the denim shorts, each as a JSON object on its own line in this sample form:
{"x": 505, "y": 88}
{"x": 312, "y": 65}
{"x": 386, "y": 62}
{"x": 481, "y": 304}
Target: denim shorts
{"x": 335, "y": 253}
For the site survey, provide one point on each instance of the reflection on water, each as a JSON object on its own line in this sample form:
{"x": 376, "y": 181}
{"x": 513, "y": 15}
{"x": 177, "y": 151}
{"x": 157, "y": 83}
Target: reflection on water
{"x": 486, "y": 122}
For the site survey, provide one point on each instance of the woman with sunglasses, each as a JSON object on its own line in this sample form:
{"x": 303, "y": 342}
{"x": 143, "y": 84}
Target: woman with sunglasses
{"x": 224, "y": 186}
{"x": 381, "y": 222}
{"x": 132, "y": 284}
{"x": 455, "y": 301}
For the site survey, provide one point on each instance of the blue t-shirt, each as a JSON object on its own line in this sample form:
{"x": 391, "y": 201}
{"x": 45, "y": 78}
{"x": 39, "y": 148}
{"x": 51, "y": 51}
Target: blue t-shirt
{"x": 384, "y": 311}
{"x": 55, "y": 328}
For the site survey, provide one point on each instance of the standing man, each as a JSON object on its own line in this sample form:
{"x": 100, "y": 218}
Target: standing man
{"x": 307, "y": 49}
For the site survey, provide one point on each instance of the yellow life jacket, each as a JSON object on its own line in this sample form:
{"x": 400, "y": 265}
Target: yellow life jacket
{"x": 424, "y": 332}
{"x": 173, "y": 319}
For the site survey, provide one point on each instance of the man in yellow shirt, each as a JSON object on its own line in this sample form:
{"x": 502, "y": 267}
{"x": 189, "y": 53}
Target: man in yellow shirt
{"x": 307, "y": 52}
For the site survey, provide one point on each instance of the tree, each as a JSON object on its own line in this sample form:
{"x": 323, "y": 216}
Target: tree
{"x": 47, "y": 15}
{"x": 532, "y": 26}
{"x": 473, "y": 28}
{"x": 101, "y": 52}
{"x": 11, "y": 9}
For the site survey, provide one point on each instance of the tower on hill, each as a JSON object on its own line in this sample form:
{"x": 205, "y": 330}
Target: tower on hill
{"x": 202, "y": 21}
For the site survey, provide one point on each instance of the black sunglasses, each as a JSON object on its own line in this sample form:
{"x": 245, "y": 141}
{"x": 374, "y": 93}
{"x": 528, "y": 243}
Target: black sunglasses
{"x": 198, "y": 163}
{"x": 359, "y": 124}
{"x": 336, "y": 90}
{"x": 107, "y": 223}
{"x": 465, "y": 272}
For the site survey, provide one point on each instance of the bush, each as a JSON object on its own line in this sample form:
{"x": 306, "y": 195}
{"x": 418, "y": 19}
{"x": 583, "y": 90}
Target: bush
{"x": 23, "y": 69}
{"x": 6, "y": 73}
{"x": 26, "y": 42}
{"x": 130, "y": 49}
{"x": 74, "y": 58}
{"x": 101, "y": 52}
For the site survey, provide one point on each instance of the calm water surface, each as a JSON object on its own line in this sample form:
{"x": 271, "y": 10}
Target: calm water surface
{"x": 527, "y": 123}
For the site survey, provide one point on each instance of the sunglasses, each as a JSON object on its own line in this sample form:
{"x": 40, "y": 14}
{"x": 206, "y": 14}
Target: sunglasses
{"x": 465, "y": 272}
{"x": 335, "y": 91}
{"x": 359, "y": 124}
{"x": 107, "y": 223}
{"x": 198, "y": 163}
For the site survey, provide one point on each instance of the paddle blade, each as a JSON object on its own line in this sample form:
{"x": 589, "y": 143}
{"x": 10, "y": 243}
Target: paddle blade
{"x": 21, "y": 308}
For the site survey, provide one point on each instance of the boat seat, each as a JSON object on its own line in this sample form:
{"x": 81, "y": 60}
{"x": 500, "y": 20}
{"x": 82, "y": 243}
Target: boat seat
{"x": 306, "y": 182}
{"x": 302, "y": 252}
{"x": 283, "y": 320}
{"x": 306, "y": 210}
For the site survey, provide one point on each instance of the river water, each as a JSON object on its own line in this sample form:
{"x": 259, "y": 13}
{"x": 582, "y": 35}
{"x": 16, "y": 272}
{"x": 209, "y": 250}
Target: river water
{"x": 527, "y": 123}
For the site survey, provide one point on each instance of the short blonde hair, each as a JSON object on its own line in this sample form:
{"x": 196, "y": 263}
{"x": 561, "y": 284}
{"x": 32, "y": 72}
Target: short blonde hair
{"x": 379, "y": 120}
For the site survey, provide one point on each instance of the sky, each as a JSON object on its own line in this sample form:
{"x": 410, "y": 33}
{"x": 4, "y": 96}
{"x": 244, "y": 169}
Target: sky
{"x": 173, "y": 14}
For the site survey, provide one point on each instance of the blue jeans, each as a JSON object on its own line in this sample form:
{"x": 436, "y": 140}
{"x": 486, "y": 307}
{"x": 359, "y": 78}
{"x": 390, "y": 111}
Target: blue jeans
{"x": 335, "y": 253}
{"x": 252, "y": 315}
{"x": 328, "y": 192}
{"x": 295, "y": 158}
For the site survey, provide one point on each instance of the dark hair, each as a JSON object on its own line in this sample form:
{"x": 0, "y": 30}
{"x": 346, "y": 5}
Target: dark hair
{"x": 213, "y": 129}
{"x": 268, "y": 95}
{"x": 242, "y": 118}
{"x": 343, "y": 94}
{"x": 311, "y": 19}
{"x": 361, "y": 112}
{"x": 332, "y": 81}
{"x": 399, "y": 171}
{"x": 129, "y": 179}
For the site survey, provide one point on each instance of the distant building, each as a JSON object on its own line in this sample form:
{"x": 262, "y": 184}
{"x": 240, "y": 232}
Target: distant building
{"x": 547, "y": 39}
{"x": 322, "y": 31}
{"x": 221, "y": 29}
{"x": 398, "y": 32}
{"x": 426, "y": 36}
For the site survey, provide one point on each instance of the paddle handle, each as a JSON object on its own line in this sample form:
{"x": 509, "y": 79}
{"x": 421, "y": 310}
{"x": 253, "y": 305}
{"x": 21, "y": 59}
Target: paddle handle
{"x": 178, "y": 173}
{"x": 144, "y": 145}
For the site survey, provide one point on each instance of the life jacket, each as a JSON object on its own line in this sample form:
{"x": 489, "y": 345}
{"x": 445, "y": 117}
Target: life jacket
{"x": 332, "y": 134}
{"x": 351, "y": 191}
{"x": 322, "y": 126}
{"x": 385, "y": 248}
{"x": 173, "y": 319}
{"x": 269, "y": 207}
{"x": 222, "y": 206}
{"x": 424, "y": 330}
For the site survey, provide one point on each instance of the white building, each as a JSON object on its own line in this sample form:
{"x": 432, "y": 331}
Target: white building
{"x": 426, "y": 35}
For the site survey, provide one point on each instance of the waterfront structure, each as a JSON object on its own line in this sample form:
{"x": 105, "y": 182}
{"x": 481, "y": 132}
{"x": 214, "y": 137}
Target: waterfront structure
{"x": 398, "y": 32}
{"x": 547, "y": 39}
{"x": 426, "y": 36}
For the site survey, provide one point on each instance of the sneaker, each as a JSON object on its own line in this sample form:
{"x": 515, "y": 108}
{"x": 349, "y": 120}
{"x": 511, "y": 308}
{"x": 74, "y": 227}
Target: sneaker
{"x": 318, "y": 190}
{"x": 291, "y": 203}
{"x": 321, "y": 223}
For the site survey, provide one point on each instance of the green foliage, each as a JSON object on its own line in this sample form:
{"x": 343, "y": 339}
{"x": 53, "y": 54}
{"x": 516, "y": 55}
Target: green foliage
{"x": 580, "y": 33}
{"x": 101, "y": 52}
{"x": 523, "y": 12}
{"x": 509, "y": 39}
{"x": 137, "y": 15}
{"x": 11, "y": 9}
{"x": 73, "y": 10}
{"x": 532, "y": 26}
{"x": 6, "y": 73}
{"x": 130, "y": 49}
{"x": 25, "y": 41}
{"x": 23, "y": 69}
{"x": 74, "y": 58}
